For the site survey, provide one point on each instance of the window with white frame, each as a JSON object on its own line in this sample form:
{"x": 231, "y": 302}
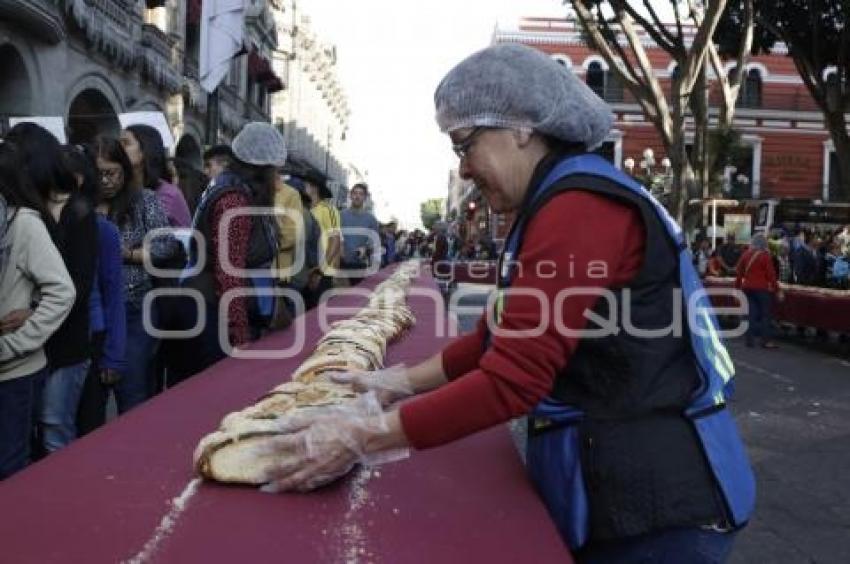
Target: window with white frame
{"x": 831, "y": 180}
{"x": 604, "y": 82}
{"x": 749, "y": 96}
{"x": 742, "y": 176}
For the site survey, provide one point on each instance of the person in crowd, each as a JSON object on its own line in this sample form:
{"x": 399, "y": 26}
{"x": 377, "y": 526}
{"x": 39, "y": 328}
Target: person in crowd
{"x": 217, "y": 159}
{"x": 107, "y": 323}
{"x": 756, "y": 277}
{"x": 821, "y": 247}
{"x": 782, "y": 263}
{"x": 310, "y": 239}
{"x": 190, "y": 181}
{"x": 360, "y": 233}
{"x": 803, "y": 260}
{"x": 31, "y": 272}
{"x": 259, "y": 153}
{"x": 843, "y": 239}
{"x": 388, "y": 244}
{"x": 73, "y": 216}
{"x": 729, "y": 253}
{"x": 144, "y": 148}
{"x": 135, "y": 211}
{"x": 600, "y": 407}
{"x": 702, "y": 256}
{"x": 715, "y": 268}
{"x": 289, "y": 206}
{"x": 330, "y": 243}
{"x": 248, "y": 180}
{"x": 401, "y": 245}
{"x": 441, "y": 246}
{"x": 838, "y": 266}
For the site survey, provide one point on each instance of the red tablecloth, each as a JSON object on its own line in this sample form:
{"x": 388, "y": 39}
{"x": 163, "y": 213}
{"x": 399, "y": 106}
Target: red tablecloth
{"x": 102, "y": 498}
{"x": 802, "y": 306}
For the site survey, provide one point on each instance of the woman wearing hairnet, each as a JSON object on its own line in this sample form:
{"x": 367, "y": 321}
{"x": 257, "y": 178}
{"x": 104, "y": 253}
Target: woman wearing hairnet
{"x": 629, "y": 443}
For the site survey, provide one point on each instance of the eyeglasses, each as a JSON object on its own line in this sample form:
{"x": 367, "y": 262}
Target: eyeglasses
{"x": 462, "y": 148}
{"x": 111, "y": 175}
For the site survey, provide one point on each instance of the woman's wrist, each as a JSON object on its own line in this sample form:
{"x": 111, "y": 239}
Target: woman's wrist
{"x": 387, "y": 436}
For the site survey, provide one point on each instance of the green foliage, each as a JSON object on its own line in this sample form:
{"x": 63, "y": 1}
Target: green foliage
{"x": 430, "y": 211}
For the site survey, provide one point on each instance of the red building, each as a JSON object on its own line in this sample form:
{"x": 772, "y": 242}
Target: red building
{"x": 788, "y": 152}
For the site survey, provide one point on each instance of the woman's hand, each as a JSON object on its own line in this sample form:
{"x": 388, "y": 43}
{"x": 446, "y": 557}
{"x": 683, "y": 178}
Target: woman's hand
{"x": 322, "y": 445}
{"x": 390, "y": 384}
{"x": 13, "y": 320}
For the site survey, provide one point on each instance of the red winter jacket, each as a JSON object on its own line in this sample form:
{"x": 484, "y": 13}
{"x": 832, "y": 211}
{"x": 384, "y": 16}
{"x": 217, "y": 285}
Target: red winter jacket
{"x": 570, "y": 234}
{"x": 755, "y": 271}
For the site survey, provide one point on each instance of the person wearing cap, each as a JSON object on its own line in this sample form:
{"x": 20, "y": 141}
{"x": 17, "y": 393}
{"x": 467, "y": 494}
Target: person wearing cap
{"x": 360, "y": 231}
{"x": 258, "y": 151}
{"x": 629, "y": 443}
{"x": 217, "y": 159}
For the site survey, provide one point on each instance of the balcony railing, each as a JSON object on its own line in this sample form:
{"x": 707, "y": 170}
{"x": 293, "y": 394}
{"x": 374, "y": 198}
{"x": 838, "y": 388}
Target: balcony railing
{"x": 154, "y": 38}
{"x": 108, "y": 26}
{"x": 41, "y": 18}
{"x": 116, "y": 11}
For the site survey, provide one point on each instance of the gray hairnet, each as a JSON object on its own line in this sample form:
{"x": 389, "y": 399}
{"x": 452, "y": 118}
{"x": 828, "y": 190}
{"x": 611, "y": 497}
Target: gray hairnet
{"x": 260, "y": 144}
{"x": 515, "y": 86}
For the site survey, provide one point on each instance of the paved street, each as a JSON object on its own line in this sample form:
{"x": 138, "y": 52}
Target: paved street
{"x": 793, "y": 407}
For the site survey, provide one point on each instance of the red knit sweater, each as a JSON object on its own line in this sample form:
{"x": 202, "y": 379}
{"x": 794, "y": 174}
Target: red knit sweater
{"x": 587, "y": 241}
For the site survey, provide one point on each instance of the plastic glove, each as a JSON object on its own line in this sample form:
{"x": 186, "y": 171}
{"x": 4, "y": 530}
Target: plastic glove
{"x": 322, "y": 445}
{"x": 390, "y": 384}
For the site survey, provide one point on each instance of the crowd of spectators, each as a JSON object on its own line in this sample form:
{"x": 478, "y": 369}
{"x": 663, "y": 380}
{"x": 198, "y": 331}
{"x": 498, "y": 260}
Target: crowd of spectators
{"x": 88, "y": 232}
{"x": 806, "y": 257}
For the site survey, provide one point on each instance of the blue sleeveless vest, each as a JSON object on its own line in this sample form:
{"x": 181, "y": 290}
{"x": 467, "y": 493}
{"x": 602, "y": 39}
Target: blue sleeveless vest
{"x": 553, "y": 458}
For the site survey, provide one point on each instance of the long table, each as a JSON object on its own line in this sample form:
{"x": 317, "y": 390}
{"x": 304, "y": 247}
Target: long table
{"x": 126, "y": 490}
{"x": 803, "y": 306}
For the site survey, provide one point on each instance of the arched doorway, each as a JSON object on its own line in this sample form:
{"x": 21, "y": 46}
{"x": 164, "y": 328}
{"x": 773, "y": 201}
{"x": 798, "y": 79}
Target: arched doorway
{"x": 90, "y": 115}
{"x": 15, "y": 89}
{"x": 188, "y": 150}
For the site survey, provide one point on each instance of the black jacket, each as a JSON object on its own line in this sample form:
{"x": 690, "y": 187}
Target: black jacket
{"x": 77, "y": 243}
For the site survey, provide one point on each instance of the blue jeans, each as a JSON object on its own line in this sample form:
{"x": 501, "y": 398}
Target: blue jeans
{"x": 133, "y": 388}
{"x": 693, "y": 545}
{"x": 759, "y": 314}
{"x": 17, "y": 398}
{"x": 59, "y": 401}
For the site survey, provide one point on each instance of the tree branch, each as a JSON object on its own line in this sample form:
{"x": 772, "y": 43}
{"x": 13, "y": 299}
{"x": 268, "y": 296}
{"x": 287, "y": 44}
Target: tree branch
{"x": 646, "y": 69}
{"x": 592, "y": 27}
{"x": 658, "y": 23}
{"x": 651, "y": 30}
{"x": 697, "y": 52}
{"x": 678, "y": 18}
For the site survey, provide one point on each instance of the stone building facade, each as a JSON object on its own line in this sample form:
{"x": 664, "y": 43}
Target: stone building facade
{"x": 313, "y": 111}
{"x": 90, "y": 60}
